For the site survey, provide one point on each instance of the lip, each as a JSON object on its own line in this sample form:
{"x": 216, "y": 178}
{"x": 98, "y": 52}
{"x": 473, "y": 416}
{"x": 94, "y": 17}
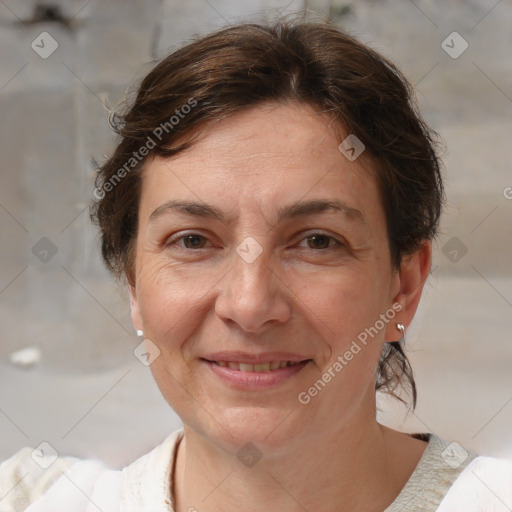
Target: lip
{"x": 247, "y": 358}
{"x": 247, "y": 381}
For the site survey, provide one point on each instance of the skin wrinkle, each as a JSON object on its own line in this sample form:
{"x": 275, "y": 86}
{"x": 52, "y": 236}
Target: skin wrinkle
{"x": 287, "y": 299}
{"x": 294, "y": 210}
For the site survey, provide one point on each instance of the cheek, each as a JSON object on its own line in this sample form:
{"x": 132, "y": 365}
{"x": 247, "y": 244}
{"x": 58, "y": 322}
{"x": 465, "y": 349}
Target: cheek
{"x": 342, "y": 306}
{"x": 172, "y": 306}
{"x": 170, "y": 301}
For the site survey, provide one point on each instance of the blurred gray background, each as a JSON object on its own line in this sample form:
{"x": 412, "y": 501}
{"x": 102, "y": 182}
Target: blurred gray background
{"x": 64, "y": 64}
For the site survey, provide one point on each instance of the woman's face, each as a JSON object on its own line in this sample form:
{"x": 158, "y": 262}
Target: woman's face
{"x": 264, "y": 244}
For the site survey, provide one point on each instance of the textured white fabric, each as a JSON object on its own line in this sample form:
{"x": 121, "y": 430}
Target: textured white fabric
{"x": 146, "y": 482}
{"x": 72, "y": 485}
{"x": 485, "y": 485}
{"x": 435, "y": 485}
{"x": 22, "y": 480}
{"x": 88, "y": 486}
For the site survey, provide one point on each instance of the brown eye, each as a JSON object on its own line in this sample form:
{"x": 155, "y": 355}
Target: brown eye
{"x": 319, "y": 241}
{"x": 193, "y": 241}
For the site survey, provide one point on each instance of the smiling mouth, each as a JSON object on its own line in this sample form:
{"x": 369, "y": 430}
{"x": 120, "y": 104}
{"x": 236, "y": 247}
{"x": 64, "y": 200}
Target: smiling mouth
{"x": 260, "y": 367}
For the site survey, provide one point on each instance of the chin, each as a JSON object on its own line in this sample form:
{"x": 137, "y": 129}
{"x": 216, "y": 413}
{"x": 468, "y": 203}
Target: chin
{"x": 268, "y": 429}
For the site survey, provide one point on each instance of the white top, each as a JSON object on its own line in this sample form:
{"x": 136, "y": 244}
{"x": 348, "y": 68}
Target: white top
{"x": 446, "y": 479}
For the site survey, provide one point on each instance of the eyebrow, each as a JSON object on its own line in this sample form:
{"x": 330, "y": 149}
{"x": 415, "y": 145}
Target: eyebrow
{"x": 294, "y": 210}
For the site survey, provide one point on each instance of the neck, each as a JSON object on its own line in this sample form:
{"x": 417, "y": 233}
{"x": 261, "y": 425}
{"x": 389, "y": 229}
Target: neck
{"x": 357, "y": 466}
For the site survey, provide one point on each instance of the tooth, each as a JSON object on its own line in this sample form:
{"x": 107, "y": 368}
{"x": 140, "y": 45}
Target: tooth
{"x": 233, "y": 366}
{"x": 246, "y": 367}
{"x": 282, "y": 364}
{"x": 222, "y": 363}
{"x": 262, "y": 367}
{"x": 274, "y": 365}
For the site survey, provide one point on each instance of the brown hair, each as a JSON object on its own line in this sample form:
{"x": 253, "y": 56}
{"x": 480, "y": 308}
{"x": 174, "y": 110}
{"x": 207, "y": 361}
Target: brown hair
{"x": 249, "y": 64}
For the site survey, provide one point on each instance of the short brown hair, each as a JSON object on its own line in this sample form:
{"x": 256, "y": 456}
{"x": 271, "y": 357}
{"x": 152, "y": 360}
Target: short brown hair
{"x": 249, "y": 64}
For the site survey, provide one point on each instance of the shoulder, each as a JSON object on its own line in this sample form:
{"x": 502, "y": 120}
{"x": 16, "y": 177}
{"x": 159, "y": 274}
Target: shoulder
{"x": 449, "y": 478}
{"x": 33, "y": 483}
{"x": 27, "y": 475}
{"x": 36, "y": 482}
{"x": 485, "y": 481}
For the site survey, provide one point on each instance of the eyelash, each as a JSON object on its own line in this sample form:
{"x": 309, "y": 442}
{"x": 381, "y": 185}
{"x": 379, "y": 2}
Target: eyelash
{"x": 337, "y": 244}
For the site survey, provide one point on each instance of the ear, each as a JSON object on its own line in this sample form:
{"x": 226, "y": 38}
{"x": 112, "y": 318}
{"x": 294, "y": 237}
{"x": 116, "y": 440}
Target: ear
{"x": 135, "y": 310}
{"x": 411, "y": 278}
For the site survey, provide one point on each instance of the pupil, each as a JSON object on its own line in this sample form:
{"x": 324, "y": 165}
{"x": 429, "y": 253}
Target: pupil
{"x": 193, "y": 241}
{"x": 319, "y": 241}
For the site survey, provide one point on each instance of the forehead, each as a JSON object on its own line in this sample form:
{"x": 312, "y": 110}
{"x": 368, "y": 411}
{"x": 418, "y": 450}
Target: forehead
{"x": 261, "y": 158}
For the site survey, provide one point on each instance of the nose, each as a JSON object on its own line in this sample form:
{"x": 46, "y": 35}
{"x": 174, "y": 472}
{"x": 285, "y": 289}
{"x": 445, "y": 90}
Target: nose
{"x": 253, "y": 296}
